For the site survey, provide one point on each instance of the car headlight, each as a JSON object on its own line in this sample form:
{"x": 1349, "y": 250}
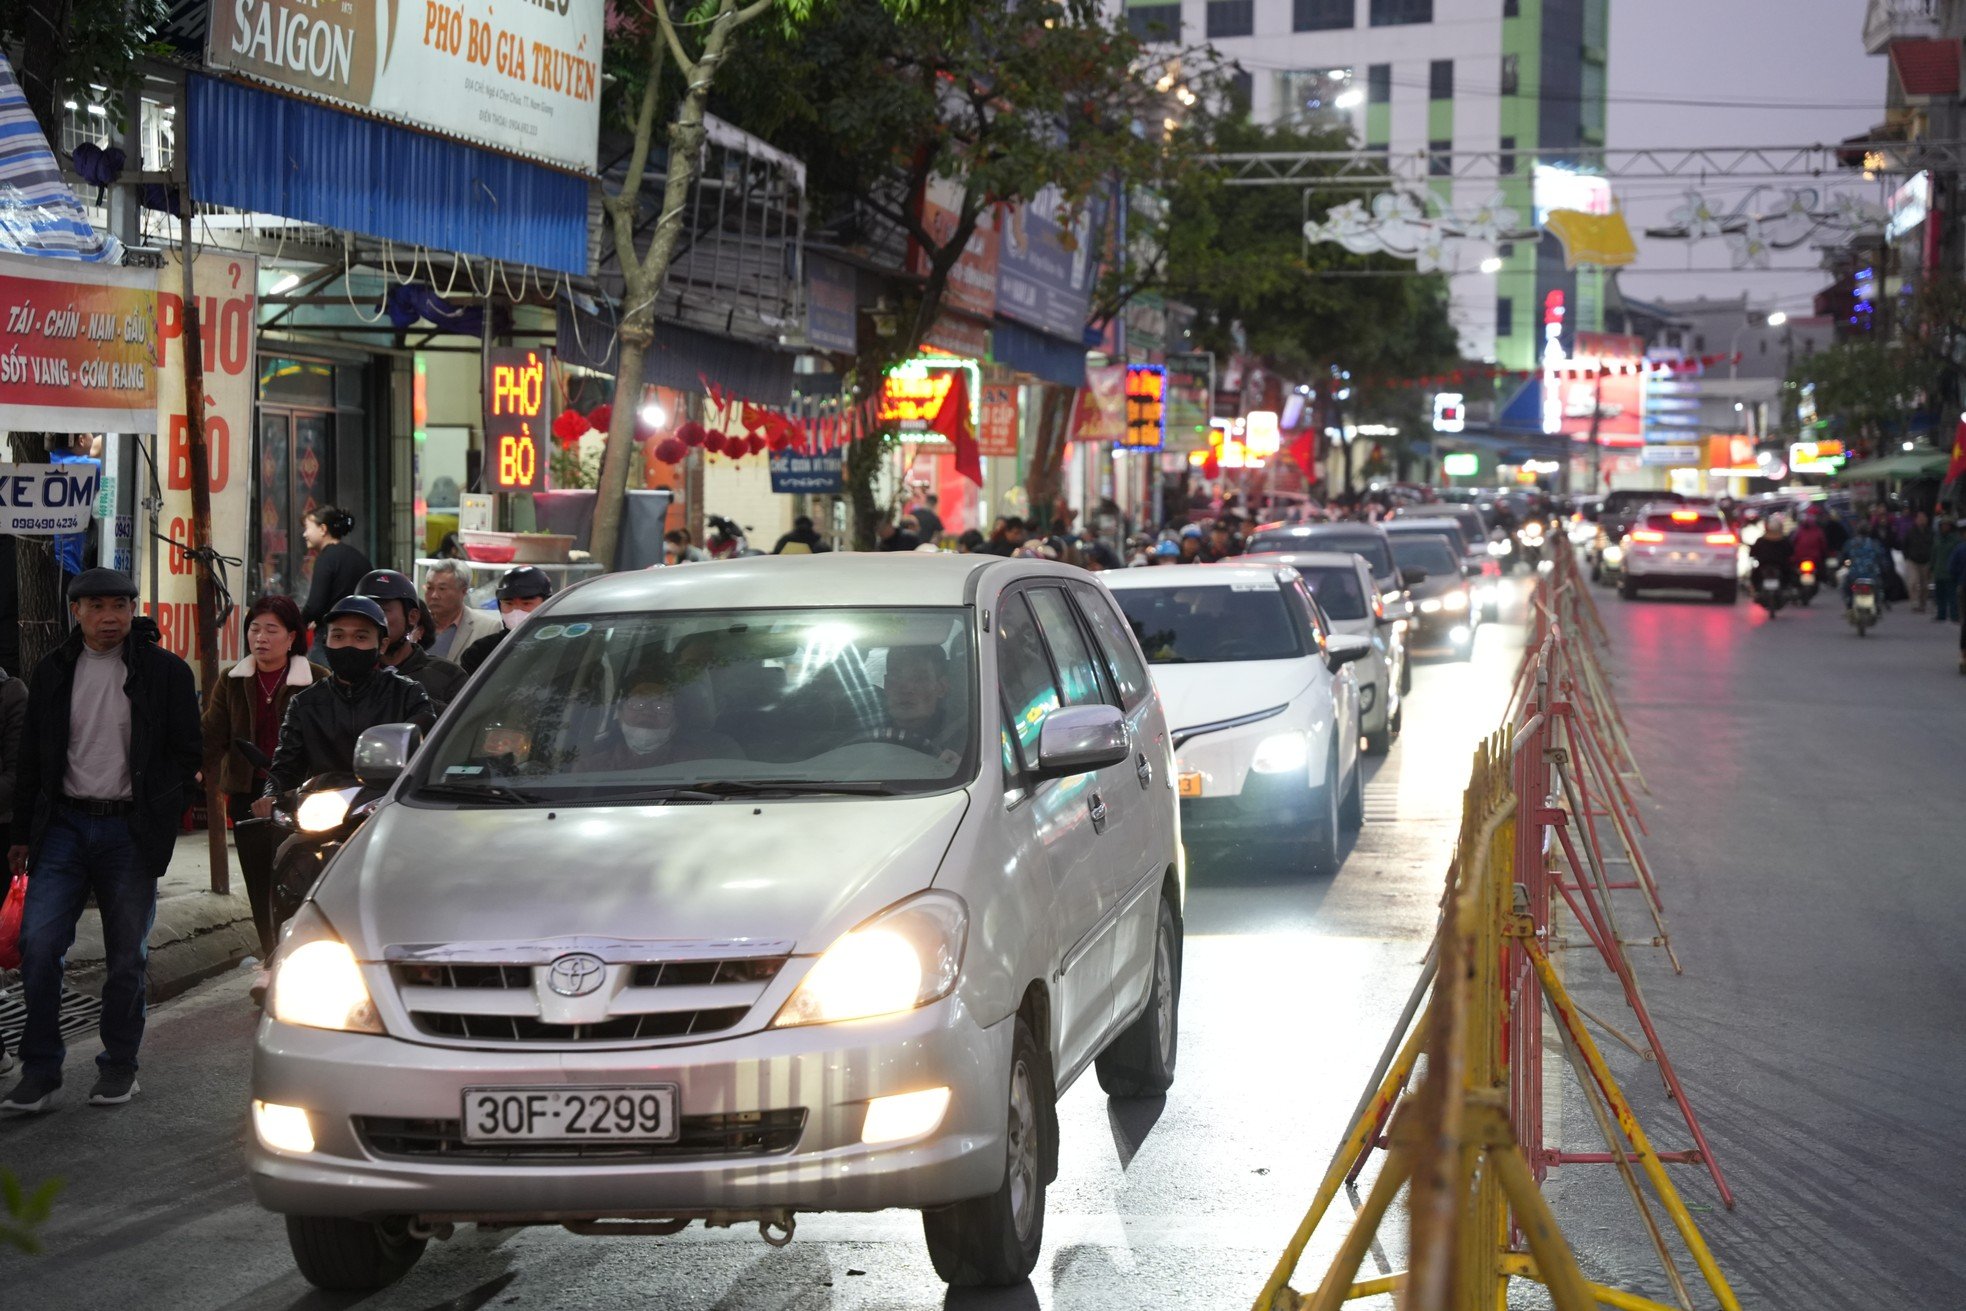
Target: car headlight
{"x": 317, "y": 981}
{"x": 1280, "y": 753}
{"x": 1430, "y": 606}
{"x": 1454, "y": 601}
{"x": 1613, "y": 554}
{"x": 1500, "y": 547}
{"x": 907, "y": 956}
{"x": 320, "y": 811}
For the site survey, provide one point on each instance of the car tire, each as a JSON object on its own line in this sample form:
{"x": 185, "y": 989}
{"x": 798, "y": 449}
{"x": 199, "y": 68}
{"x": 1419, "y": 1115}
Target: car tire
{"x": 1379, "y": 743}
{"x": 1351, "y": 811}
{"x": 1140, "y": 1062}
{"x": 1729, "y": 594}
{"x": 1319, "y": 844}
{"x": 993, "y": 1241}
{"x": 1406, "y": 675}
{"x": 1628, "y": 590}
{"x": 350, "y": 1255}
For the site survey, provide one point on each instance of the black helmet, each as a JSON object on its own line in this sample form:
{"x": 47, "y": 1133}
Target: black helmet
{"x": 523, "y": 584}
{"x": 360, "y": 606}
{"x": 387, "y": 585}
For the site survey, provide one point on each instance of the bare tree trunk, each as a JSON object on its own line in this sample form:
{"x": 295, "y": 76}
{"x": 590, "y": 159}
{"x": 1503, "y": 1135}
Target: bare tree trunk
{"x": 37, "y": 573}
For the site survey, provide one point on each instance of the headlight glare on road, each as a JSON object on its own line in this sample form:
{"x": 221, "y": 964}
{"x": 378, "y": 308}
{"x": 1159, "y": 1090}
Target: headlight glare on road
{"x": 1454, "y": 601}
{"x": 1280, "y": 753}
{"x": 905, "y": 957}
{"x": 905, "y": 1115}
{"x": 319, "y": 984}
{"x": 320, "y": 811}
{"x": 282, "y": 1128}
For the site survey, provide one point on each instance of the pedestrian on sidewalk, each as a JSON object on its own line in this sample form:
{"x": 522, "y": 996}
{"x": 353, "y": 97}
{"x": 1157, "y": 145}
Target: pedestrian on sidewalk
{"x": 112, "y": 746}
{"x": 338, "y": 566}
{"x": 248, "y": 705}
{"x": 1916, "y": 545}
{"x": 13, "y": 709}
{"x": 1945, "y": 584}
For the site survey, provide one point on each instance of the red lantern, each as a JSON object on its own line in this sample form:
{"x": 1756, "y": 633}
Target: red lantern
{"x": 693, "y": 434}
{"x": 570, "y": 426}
{"x": 602, "y": 417}
{"x": 671, "y": 450}
{"x": 756, "y": 444}
{"x": 714, "y": 441}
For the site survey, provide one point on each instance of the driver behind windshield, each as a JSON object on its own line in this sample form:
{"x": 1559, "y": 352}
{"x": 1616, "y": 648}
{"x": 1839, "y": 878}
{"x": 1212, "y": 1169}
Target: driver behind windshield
{"x": 646, "y": 734}
{"x": 916, "y": 694}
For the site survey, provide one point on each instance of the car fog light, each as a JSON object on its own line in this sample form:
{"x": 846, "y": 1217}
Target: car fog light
{"x": 283, "y": 1128}
{"x": 1454, "y": 601}
{"x": 1280, "y": 753}
{"x": 905, "y": 1115}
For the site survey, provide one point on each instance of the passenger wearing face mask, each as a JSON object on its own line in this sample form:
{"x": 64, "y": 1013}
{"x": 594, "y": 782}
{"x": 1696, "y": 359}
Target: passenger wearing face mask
{"x": 402, "y": 648}
{"x": 520, "y": 592}
{"x": 646, "y": 735}
{"x": 324, "y": 720}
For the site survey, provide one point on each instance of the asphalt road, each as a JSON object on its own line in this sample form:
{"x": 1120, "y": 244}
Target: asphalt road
{"x": 1810, "y": 887}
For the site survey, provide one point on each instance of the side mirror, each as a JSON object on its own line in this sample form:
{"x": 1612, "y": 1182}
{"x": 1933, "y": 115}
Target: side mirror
{"x": 1412, "y": 577}
{"x": 1340, "y": 649}
{"x": 1079, "y": 739}
{"x": 384, "y": 752}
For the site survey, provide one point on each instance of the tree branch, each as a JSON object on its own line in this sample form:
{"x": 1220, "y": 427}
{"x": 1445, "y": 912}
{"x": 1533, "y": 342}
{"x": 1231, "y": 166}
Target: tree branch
{"x": 621, "y": 206}
{"x": 675, "y": 41}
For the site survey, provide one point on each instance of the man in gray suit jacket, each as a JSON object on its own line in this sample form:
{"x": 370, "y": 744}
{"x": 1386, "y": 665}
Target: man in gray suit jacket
{"x": 455, "y": 625}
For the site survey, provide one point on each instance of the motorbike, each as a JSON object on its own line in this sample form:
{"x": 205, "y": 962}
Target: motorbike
{"x": 1807, "y": 582}
{"x": 318, "y": 817}
{"x": 1866, "y": 603}
{"x": 1530, "y": 538}
{"x": 1771, "y": 592}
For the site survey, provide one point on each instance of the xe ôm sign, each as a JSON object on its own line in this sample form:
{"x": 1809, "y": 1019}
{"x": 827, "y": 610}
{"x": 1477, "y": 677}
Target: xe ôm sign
{"x": 515, "y": 418}
{"x": 523, "y": 77}
{"x": 40, "y": 500}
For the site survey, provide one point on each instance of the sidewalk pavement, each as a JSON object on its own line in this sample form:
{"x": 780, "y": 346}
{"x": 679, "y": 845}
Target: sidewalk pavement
{"x": 198, "y": 933}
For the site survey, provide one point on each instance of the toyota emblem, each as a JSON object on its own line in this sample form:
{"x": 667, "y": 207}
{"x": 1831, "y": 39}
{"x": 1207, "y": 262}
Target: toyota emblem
{"x": 575, "y": 975}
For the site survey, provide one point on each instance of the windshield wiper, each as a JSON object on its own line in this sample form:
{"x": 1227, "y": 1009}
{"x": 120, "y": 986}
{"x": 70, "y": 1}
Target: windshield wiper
{"x": 489, "y": 793}
{"x": 752, "y": 787}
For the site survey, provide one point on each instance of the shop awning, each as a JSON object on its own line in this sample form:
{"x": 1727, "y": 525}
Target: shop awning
{"x": 39, "y": 215}
{"x": 1918, "y": 464}
{"x": 274, "y": 154}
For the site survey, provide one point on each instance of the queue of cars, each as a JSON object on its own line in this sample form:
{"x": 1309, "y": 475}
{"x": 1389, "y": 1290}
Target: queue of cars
{"x": 725, "y": 893}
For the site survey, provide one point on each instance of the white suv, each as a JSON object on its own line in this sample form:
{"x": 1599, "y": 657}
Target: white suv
{"x": 1261, "y": 699}
{"x": 728, "y": 892}
{"x": 1681, "y": 547}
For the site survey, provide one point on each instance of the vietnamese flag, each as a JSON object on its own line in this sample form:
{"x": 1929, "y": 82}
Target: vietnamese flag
{"x": 952, "y": 421}
{"x": 1958, "y": 465}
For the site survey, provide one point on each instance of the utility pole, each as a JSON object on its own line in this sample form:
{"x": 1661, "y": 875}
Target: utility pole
{"x": 1597, "y": 419}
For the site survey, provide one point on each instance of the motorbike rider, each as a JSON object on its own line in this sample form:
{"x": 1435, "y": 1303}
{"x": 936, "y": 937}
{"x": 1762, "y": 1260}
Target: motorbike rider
{"x": 324, "y": 719}
{"x": 1865, "y": 557}
{"x": 520, "y": 591}
{"x": 1774, "y": 554}
{"x": 409, "y": 622}
{"x": 1810, "y": 543}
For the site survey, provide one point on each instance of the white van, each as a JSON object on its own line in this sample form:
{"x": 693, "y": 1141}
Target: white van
{"x": 722, "y": 893}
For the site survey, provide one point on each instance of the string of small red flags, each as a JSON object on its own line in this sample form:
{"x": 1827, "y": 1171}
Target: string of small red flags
{"x": 1574, "y": 372}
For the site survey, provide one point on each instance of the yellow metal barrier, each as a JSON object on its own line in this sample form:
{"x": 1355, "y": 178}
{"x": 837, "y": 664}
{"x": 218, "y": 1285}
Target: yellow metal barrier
{"x": 1448, "y": 1136}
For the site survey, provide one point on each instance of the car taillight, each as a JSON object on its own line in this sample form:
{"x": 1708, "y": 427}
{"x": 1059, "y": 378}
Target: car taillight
{"x": 1722, "y": 539}
{"x": 1647, "y": 535}
{"x": 1378, "y": 607}
{"x": 1808, "y": 566}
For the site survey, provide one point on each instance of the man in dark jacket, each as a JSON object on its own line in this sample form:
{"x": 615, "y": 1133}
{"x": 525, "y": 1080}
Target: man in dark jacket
{"x": 111, "y": 744}
{"x": 325, "y": 719}
{"x": 402, "y": 646}
{"x": 804, "y": 539}
{"x": 520, "y": 592}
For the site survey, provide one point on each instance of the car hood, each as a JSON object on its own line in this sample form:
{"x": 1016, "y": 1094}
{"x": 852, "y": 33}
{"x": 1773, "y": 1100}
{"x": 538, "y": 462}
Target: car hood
{"x": 1437, "y": 585}
{"x": 1194, "y": 695}
{"x": 800, "y": 871}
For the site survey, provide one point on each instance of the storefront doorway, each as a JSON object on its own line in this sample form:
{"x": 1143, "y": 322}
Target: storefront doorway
{"x": 311, "y": 426}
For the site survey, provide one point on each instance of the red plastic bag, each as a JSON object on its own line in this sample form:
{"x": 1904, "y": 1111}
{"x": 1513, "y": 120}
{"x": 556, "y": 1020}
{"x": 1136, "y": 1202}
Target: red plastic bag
{"x": 10, "y": 917}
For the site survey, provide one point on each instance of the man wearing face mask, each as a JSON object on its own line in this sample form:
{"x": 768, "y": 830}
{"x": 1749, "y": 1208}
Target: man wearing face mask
{"x": 520, "y": 592}
{"x": 324, "y": 720}
{"x": 402, "y": 648}
{"x": 645, "y": 733}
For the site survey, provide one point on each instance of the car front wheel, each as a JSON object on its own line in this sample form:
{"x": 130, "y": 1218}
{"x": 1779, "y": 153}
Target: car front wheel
{"x": 993, "y": 1242}
{"x": 351, "y": 1255}
{"x": 1140, "y": 1062}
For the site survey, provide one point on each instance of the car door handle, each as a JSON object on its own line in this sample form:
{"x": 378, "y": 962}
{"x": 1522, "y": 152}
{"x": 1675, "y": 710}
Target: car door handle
{"x": 1143, "y": 769}
{"x": 1097, "y": 810}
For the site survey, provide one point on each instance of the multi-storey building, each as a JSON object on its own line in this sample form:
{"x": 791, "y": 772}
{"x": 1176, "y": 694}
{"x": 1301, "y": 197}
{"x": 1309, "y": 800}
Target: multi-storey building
{"x": 1436, "y": 78}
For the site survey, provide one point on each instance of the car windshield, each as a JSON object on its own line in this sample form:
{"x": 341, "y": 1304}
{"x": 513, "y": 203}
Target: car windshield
{"x": 711, "y": 703}
{"x": 1428, "y": 553}
{"x": 1446, "y": 532}
{"x": 1337, "y": 590}
{"x": 1211, "y": 623}
{"x": 1372, "y": 547}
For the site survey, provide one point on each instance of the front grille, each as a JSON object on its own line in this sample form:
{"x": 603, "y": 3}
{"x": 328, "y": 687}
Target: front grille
{"x": 618, "y": 1028}
{"x": 421, "y": 975}
{"x": 694, "y": 973}
{"x": 749, "y": 1133}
